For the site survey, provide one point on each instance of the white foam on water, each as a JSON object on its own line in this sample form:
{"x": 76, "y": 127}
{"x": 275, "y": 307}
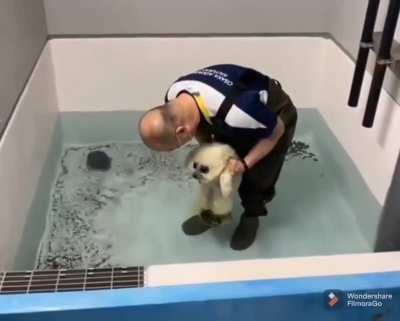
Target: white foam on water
{"x": 94, "y": 214}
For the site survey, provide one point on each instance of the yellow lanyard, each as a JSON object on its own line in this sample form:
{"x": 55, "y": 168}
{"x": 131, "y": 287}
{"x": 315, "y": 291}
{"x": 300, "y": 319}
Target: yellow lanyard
{"x": 202, "y": 107}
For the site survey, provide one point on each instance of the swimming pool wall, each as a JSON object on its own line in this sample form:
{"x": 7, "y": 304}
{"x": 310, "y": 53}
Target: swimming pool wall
{"x": 281, "y": 300}
{"x": 124, "y": 74}
{"x": 108, "y": 74}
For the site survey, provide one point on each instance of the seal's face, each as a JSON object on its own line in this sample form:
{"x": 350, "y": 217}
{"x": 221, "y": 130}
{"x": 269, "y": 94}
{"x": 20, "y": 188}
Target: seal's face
{"x": 208, "y": 161}
{"x": 201, "y": 171}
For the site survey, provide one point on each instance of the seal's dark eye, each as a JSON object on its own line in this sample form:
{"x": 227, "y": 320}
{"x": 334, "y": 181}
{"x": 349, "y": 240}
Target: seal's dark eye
{"x": 195, "y": 165}
{"x": 204, "y": 169}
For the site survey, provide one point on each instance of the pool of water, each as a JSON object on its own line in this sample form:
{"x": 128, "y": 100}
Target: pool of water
{"x": 132, "y": 213}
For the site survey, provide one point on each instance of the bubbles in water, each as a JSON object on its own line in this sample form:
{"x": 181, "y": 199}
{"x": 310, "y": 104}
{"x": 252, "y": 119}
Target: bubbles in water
{"x": 86, "y": 204}
{"x": 300, "y": 149}
{"x": 129, "y": 214}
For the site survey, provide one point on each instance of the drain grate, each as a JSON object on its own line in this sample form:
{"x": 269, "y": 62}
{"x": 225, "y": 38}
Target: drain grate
{"x": 71, "y": 280}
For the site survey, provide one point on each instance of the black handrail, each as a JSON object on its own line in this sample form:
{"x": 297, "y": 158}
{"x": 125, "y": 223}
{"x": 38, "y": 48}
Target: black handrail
{"x": 383, "y": 59}
{"x": 365, "y": 44}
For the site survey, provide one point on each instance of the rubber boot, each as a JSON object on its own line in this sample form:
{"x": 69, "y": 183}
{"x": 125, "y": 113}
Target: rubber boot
{"x": 245, "y": 233}
{"x": 201, "y": 223}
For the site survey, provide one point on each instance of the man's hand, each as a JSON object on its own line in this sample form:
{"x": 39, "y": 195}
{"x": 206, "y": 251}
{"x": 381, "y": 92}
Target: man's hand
{"x": 236, "y": 167}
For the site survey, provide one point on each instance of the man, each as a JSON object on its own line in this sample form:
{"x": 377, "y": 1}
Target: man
{"x": 238, "y": 106}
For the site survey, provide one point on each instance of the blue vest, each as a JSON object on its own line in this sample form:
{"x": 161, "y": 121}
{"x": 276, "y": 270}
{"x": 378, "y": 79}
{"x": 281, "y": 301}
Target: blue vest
{"x": 236, "y": 98}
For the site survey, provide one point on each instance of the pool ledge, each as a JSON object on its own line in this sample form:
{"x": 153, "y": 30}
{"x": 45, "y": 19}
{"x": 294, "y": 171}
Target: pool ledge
{"x": 262, "y": 269}
{"x": 388, "y": 282}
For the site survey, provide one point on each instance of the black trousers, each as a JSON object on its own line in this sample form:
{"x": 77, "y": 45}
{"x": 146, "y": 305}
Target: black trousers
{"x": 258, "y": 183}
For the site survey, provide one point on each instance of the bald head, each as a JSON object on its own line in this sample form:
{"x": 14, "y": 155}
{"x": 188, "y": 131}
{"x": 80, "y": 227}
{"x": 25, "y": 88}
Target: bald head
{"x": 157, "y": 128}
{"x": 169, "y": 126}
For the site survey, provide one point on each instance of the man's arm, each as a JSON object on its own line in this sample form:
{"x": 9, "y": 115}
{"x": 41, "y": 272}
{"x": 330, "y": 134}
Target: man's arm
{"x": 265, "y": 146}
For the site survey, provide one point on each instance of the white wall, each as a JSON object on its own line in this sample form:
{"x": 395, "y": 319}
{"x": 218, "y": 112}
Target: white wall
{"x": 346, "y": 20}
{"x": 374, "y": 150}
{"x": 345, "y": 24}
{"x": 191, "y": 16}
{"x": 134, "y": 73}
{"x": 23, "y": 151}
{"x": 341, "y": 18}
{"x": 22, "y": 36}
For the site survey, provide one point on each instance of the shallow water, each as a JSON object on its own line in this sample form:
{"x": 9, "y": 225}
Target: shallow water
{"x": 132, "y": 213}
